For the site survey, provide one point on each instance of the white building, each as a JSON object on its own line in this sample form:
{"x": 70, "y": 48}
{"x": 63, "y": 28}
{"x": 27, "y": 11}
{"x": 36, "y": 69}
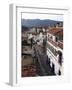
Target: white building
{"x": 55, "y": 49}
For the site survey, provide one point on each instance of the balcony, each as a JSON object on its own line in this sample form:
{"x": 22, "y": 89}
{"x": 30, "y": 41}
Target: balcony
{"x": 60, "y": 44}
{"x": 56, "y": 44}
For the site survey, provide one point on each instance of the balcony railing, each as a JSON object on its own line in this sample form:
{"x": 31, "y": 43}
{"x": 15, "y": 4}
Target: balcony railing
{"x": 56, "y": 44}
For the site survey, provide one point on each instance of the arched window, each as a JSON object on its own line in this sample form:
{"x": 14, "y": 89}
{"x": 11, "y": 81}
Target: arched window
{"x": 53, "y": 68}
{"x": 56, "y": 39}
{"x": 60, "y": 57}
{"x": 59, "y": 72}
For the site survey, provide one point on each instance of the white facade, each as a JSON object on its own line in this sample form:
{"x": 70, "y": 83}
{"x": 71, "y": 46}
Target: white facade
{"x": 50, "y": 35}
{"x": 54, "y": 60}
{"x": 32, "y": 30}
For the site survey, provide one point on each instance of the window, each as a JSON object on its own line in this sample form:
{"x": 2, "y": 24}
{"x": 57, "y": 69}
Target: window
{"x": 60, "y": 58}
{"x": 56, "y": 39}
{"x": 59, "y": 72}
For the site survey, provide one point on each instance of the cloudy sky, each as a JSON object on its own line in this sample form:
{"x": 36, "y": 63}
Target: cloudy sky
{"x": 42, "y": 16}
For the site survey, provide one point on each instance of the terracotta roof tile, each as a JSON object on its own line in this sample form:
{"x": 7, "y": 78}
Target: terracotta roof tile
{"x": 55, "y": 31}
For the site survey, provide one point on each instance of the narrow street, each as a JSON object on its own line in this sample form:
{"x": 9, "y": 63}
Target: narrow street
{"x": 35, "y": 61}
{"x": 42, "y": 62}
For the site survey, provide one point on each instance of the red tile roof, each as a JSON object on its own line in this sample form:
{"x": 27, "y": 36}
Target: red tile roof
{"x": 60, "y": 33}
{"x": 55, "y": 31}
{"x": 34, "y": 33}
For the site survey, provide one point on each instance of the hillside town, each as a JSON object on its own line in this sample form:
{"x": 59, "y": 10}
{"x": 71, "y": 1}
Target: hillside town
{"x": 42, "y": 51}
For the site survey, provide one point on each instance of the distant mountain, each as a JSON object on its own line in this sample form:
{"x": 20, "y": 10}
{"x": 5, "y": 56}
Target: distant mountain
{"x": 38, "y": 22}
